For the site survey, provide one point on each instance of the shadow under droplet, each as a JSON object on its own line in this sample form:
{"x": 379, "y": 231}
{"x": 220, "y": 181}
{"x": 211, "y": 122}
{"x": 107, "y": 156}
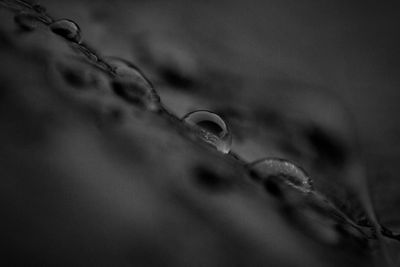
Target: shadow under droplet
{"x": 211, "y": 180}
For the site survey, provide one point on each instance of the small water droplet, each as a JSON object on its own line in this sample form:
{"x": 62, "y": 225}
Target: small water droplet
{"x": 132, "y": 85}
{"x": 67, "y": 29}
{"x": 126, "y": 69}
{"x": 26, "y": 21}
{"x": 212, "y": 129}
{"x": 292, "y": 174}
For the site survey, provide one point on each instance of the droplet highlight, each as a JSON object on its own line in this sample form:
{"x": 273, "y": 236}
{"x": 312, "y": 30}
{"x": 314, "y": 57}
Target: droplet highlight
{"x": 282, "y": 169}
{"x": 212, "y": 129}
{"x": 131, "y": 84}
{"x": 67, "y": 29}
{"x": 26, "y": 21}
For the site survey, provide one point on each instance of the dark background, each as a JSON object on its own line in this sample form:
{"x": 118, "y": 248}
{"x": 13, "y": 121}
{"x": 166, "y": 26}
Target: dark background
{"x": 350, "y": 49}
{"x": 124, "y": 195}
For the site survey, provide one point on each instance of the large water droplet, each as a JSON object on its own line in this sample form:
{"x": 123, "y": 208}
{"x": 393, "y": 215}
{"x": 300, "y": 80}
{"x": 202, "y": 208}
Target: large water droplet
{"x": 132, "y": 85}
{"x": 26, "y": 21}
{"x": 212, "y": 129}
{"x": 285, "y": 170}
{"x": 67, "y": 29}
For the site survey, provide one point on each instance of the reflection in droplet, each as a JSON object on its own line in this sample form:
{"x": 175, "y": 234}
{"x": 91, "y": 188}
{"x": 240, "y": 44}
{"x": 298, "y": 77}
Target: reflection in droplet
{"x": 212, "y": 129}
{"x": 292, "y": 174}
{"x": 132, "y": 85}
{"x": 67, "y": 29}
{"x": 26, "y": 21}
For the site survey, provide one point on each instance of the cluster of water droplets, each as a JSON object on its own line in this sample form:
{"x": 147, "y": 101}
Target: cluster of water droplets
{"x": 128, "y": 82}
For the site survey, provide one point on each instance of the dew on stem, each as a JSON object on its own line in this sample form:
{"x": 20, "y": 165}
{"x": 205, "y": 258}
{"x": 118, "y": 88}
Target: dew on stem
{"x": 212, "y": 129}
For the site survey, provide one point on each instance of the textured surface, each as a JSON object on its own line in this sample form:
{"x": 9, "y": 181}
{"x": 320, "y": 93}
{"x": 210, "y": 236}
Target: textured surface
{"x": 88, "y": 177}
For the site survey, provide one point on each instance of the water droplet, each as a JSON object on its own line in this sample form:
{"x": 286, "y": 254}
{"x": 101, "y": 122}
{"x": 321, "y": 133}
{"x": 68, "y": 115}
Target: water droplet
{"x": 67, "y": 29}
{"x": 125, "y": 69}
{"x": 292, "y": 174}
{"x": 212, "y": 129}
{"x": 26, "y": 21}
{"x": 132, "y": 85}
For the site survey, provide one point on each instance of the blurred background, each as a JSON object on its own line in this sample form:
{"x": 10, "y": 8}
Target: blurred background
{"x": 349, "y": 50}
{"x": 334, "y": 64}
